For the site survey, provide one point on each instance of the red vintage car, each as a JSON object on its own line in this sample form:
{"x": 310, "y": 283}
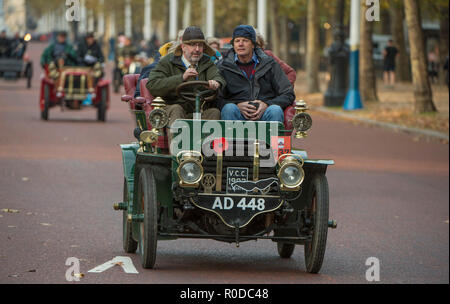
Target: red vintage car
{"x": 74, "y": 88}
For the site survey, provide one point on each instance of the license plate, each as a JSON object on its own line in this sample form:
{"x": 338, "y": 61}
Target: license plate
{"x": 237, "y": 210}
{"x": 236, "y": 175}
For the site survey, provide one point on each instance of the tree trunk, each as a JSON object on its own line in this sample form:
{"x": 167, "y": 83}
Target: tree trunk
{"x": 443, "y": 44}
{"x": 252, "y": 12}
{"x": 366, "y": 65}
{"x": 422, "y": 89}
{"x": 274, "y": 38}
{"x": 283, "y": 38}
{"x": 302, "y": 41}
{"x": 312, "y": 47}
{"x": 402, "y": 67}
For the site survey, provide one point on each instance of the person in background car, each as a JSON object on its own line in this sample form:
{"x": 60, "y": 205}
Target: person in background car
{"x": 214, "y": 43}
{"x": 60, "y": 49}
{"x": 89, "y": 52}
{"x": 288, "y": 70}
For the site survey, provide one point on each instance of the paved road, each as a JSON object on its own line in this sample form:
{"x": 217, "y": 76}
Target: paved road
{"x": 389, "y": 194}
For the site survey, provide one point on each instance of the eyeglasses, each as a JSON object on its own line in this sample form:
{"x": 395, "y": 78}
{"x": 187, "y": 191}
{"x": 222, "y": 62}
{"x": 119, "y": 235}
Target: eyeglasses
{"x": 196, "y": 44}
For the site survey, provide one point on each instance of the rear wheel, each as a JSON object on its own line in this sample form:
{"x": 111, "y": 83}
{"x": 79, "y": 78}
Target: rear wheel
{"x": 318, "y": 216}
{"x": 116, "y": 83}
{"x": 148, "y": 228}
{"x": 29, "y": 75}
{"x": 44, "y": 112}
{"x": 285, "y": 250}
{"x": 129, "y": 244}
{"x": 101, "y": 112}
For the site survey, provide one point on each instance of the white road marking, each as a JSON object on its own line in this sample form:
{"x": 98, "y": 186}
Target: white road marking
{"x": 124, "y": 262}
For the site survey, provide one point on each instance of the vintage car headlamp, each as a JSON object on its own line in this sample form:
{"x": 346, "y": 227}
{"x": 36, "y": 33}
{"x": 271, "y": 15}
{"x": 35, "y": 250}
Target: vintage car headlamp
{"x": 97, "y": 70}
{"x": 53, "y": 70}
{"x": 291, "y": 173}
{"x": 149, "y": 137}
{"x": 301, "y": 121}
{"x": 158, "y": 118}
{"x": 190, "y": 168}
{"x": 190, "y": 172}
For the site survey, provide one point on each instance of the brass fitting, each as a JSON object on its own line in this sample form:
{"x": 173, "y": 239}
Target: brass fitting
{"x": 301, "y": 121}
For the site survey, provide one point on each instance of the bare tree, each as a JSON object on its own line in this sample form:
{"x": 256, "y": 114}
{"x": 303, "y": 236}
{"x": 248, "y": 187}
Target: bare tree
{"x": 312, "y": 47}
{"x": 274, "y": 32}
{"x": 422, "y": 89}
{"x": 402, "y": 68}
{"x": 366, "y": 65}
{"x": 252, "y": 12}
{"x": 443, "y": 42}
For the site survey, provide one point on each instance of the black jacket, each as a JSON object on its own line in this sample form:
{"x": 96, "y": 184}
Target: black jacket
{"x": 93, "y": 50}
{"x": 269, "y": 84}
{"x": 145, "y": 73}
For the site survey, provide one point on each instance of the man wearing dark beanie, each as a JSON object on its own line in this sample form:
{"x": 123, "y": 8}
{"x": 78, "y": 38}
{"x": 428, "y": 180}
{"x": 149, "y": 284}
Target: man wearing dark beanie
{"x": 257, "y": 88}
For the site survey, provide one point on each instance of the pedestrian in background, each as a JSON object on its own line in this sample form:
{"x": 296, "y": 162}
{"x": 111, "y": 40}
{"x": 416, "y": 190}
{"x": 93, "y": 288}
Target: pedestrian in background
{"x": 390, "y": 54}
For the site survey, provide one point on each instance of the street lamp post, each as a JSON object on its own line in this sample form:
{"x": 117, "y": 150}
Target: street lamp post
{"x": 338, "y": 57}
{"x": 210, "y": 18}
{"x": 173, "y": 24}
{"x": 353, "y": 99}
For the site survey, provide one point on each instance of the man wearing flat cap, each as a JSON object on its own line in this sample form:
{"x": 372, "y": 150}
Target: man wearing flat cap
{"x": 188, "y": 62}
{"x": 257, "y": 88}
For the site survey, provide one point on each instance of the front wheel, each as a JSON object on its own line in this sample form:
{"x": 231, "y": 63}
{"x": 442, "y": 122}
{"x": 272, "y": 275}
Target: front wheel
{"x": 285, "y": 250}
{"x": 101, "y": 112}
{"x": 44, "y": 112}
{"x": 318, "y": 216}
{"x": 29, "y": 75}
{"x": 148, "y": 228}
{"x": 129, "y": 244}
{"x": 116, "y": 80}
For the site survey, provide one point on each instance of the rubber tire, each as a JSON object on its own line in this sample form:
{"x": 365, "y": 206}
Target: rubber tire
{"x": 315, "y": 250}
{"x": 129, "y": 244}
{"x": 101, "y": 112}
{"x": 44, "y": 113}
{"x": 29, "y": 75}
{"x": 285, "y": 250}
{"x": 148, "y": 229}
{"x": 116, "y": 80}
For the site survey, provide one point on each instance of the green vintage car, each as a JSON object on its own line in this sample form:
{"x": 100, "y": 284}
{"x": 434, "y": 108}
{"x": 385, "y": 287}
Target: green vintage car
{"x": 229, "y": 181}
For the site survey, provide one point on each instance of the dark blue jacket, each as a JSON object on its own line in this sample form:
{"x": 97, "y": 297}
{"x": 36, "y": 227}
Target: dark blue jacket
{"x": 144, "y": 74}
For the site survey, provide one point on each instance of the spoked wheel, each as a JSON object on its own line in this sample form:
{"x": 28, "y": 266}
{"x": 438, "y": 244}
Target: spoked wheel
{"x": 44, "y": 112}
{"x": 129, "y": 244}
{"x": 29, "y": 75}
{"x": 101, "y": 112}
{"x": 285, "y": 250}
{"x": 148, "y": 228}
{"x": 318, "y": 216}
{"x": 116, "y": 83}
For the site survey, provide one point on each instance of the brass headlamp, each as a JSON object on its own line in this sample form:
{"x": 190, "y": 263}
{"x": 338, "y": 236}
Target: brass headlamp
{"x": 190, "y": 169}
{"x": 53, "y": 70}
{"x": 291, "y": 173}
{"x": 301, "y": 121}
{"x": 97, "y": 70}
{"x": 158, "y": 119}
